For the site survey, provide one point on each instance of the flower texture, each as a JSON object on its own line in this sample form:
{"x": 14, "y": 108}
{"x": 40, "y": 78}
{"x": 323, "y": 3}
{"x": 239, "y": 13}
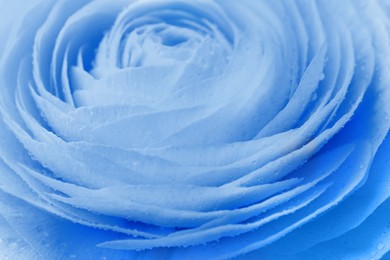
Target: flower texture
{"x": 200, "y": 129}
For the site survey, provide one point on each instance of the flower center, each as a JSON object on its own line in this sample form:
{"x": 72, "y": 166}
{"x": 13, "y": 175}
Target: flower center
{"x": 162, "y": 34}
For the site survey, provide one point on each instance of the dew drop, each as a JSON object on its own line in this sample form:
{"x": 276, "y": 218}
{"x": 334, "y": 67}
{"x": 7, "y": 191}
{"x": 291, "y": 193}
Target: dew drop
{"x": 38, "y": 229}
{"x": 380, "y": 246}
{"x": 13, "y": 245}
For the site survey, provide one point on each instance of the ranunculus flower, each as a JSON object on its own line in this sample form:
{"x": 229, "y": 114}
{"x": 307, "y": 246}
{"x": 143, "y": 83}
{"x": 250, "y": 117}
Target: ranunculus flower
{"x": 194, "y": 129}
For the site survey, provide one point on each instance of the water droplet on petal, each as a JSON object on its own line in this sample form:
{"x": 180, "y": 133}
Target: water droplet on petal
{"x": 38, "y": 229}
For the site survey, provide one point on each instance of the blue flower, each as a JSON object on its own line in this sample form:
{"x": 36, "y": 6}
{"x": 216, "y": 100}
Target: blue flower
{"x": 205, "y": 129}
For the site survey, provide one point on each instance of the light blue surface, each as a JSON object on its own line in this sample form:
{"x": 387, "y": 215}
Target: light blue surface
{"x": 205, "y": 129}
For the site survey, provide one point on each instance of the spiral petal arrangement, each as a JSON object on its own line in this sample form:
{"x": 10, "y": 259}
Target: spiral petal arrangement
{"x": 205, "y": 129}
